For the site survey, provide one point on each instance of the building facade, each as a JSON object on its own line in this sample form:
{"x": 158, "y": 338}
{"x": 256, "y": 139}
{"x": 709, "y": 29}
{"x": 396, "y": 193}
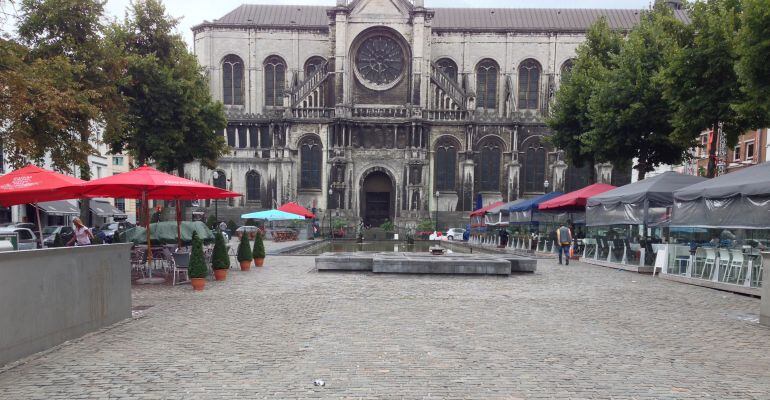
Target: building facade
{"x": 385, "y": 109}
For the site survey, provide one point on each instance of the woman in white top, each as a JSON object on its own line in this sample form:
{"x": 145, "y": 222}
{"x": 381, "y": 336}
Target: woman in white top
{"x": 82, "y": 235}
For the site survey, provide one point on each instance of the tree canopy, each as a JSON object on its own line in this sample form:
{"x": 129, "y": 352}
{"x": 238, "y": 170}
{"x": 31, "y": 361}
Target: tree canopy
{"x": 753, "y": 49}
{"x": 169, "y": 105}
{"x": 701, "y": 82}
{"x": 569, "y": 118}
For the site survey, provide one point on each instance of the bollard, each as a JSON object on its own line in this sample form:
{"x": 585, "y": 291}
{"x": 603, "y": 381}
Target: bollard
{"x": 764, "y": 308}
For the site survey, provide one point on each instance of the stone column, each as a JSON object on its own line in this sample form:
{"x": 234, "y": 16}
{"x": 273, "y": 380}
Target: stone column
{"x": 559, "y": 175}
{"x": 514, "y": 169}
{"x": 340, "y": 55}
{"x": 764, "y": 310}
{"x": 604, "y": 173}
{"x": 468, "y": 171}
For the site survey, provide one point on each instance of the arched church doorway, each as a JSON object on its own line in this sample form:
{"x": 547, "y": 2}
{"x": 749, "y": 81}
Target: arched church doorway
{"x": 377, "y": 199}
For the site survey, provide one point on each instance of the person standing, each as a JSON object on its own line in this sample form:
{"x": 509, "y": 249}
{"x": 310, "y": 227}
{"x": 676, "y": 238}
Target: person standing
{"x": 82, "y": 235}
{"x": 564, "y": 238}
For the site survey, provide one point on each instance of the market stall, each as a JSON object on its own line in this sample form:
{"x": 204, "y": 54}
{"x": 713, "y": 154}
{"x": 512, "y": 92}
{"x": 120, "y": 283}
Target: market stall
{"x": 624, "y": 223}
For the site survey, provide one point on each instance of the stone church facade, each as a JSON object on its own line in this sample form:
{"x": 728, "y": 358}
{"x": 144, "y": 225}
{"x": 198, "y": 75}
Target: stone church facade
{"x": 385, "y": 109}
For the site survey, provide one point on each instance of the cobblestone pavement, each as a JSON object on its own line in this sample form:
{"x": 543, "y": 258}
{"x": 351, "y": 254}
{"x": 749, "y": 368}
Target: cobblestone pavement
{"x": 564, "y": 332}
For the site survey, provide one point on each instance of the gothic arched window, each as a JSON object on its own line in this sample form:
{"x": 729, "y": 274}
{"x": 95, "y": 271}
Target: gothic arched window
{"x": 566, "y": 68}
{"x": 534, "y": 168}
{"x": 490, "y": 152}
{"x": 529, "y": 84}
{"x": 486, "y": 84}
{"x": 312, "y": 65}
{"x": 232, "y": 80}
{"x": 446, "y": 164}
{"x": 577, "y": 178}
{"x": 449, "y": 67}
{"x": 310, "y": 163}
{"x": 275, "y": 81}
{"x": 252, "y": 186}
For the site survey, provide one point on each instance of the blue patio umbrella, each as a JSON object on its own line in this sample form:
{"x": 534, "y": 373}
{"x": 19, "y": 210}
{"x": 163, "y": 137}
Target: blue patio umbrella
{"x": 273, "y": 215}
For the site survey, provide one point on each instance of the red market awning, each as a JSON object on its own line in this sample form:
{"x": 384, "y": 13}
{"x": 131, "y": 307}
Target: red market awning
{"x": 575, "y": 200}
{"x": 152, "y": 184}
{"x": 33, "y": 184}
{"x": 294, "y": 208}
{"x": 483, "y": 210}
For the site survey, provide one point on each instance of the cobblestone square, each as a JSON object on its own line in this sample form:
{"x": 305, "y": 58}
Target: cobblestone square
{"x": 565, "y": 332}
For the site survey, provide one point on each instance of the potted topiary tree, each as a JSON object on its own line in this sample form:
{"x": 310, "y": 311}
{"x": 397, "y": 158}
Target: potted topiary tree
{"x": 259, "y": 250}
{"x": 197, "y": 268}
{"x": 244, "y": 253}
{"x": 220, "y": 261}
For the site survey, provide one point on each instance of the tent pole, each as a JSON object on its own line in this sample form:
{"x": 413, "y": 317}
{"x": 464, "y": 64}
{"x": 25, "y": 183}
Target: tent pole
{"x": 146, "y": 203}
{"x": 178, "y": 225}
{"x": 39, "y": 225}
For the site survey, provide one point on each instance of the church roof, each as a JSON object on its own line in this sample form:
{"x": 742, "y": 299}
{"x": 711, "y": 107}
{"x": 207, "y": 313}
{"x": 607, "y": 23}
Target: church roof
{"x": 445, "y": 19}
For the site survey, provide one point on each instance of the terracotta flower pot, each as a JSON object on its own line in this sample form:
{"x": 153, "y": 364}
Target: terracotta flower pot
{"x": 198, "y": 283}
{"x": 259, "y": 262}
{"x": 220, "y": 274}
{"x": 245, "y": 265}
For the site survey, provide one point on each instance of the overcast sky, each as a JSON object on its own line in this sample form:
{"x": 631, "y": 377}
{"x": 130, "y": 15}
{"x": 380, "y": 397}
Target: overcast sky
{"x": 194, "y": 12}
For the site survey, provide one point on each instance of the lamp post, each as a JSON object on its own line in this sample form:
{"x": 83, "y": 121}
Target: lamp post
{"x": 214, "y": 177}
{"x": 437, "y": 195}
{"x": 546, "y": 184}
{"x": 329, "y": 209}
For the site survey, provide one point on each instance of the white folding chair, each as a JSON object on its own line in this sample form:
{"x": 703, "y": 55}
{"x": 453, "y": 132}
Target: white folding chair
{"x": 709, "y": 264}
{"x": 724, "y": 264}
{"x": 737, "y": 267}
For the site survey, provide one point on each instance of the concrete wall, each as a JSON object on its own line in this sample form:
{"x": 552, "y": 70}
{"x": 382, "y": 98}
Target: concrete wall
{"x": 50, "y": 296}
{"x": 764, "y": 311}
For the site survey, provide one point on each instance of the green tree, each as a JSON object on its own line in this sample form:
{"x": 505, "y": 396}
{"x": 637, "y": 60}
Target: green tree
{"x": 219, "y": 257}
{"x": 700, "y": 81}
{"x": 753, "y": 48}
{"x": 73, "y": 30}
{"x": 259, "y": 247}
{"x": 629, "y": 116}
{"x": 569, "y": 118}
{"x": 197, "y": 267}
{"x": 38, "y": 100}
{"x": 169, "y": 105}
{"x": 244, "y": 249}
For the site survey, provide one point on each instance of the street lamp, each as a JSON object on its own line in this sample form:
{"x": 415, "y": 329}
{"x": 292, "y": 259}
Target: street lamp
{"x": 329, "y": 210}
{"x": 214, "y": 177}
{"x": 546, "y": 184}
{"x": 437, "y": 195}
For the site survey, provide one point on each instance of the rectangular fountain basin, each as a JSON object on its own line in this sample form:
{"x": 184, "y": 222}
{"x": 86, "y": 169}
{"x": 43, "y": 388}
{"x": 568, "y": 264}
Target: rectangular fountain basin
{"x": 420, "y": 263}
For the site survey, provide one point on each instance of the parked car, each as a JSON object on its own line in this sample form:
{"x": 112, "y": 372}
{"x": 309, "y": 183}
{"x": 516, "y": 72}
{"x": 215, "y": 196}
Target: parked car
{"x": 251, "y": 230}
{"x": 49, "y": 234}
{"x": 107, "y": 231}
{"x": 27, "y": 239}
{"x": 455, "y": 233}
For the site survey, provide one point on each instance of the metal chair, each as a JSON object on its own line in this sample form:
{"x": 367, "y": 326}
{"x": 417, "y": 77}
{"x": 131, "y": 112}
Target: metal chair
{"x": 138, "y": 260}
{"x": 709, "y": 264}
{"x": 737, "y": 268}
{"x": 179, "y": 267}
{"x": 724, "y": 264}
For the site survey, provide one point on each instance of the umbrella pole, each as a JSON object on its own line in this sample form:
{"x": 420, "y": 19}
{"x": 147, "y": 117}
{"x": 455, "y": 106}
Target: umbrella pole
{"x": 39, "y": 226}
{"x": 178, "y": 225}
{"x": 146, "y": 203}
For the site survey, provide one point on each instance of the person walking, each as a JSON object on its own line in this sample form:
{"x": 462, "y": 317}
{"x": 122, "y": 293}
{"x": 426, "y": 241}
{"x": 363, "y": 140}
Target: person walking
{"x": 82, "y": 235}
{"x": 564, "y": 238}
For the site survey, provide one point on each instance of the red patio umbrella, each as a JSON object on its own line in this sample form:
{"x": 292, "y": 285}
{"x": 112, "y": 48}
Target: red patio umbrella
{"x": 33, "y": 184}
{"x": 294, "y": 208}
{"x": 575, "y": 200}
{"x": 148, "y": 183}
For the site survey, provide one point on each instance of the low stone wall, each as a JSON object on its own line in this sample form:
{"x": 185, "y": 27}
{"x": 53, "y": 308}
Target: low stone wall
{"x": 53, "y": 295}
